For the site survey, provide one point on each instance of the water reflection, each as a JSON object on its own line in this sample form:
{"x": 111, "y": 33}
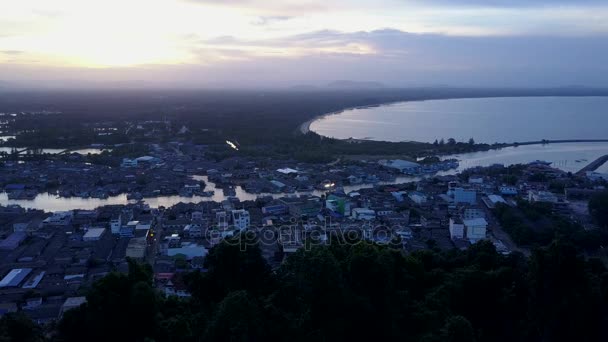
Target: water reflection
{"x": 50, "y": 202}
{"x": 568, "y": 157}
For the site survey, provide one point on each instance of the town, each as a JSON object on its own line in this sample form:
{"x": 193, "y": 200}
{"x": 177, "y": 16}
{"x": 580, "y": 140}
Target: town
{"x": 50, "y": 257}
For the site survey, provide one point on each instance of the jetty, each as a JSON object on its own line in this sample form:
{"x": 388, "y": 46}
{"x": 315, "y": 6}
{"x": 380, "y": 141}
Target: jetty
{"x": 594, "y": 165}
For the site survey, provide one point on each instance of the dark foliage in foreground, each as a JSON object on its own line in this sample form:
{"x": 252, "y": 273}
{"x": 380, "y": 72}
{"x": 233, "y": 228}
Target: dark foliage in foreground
{"x": 356, "y": 292}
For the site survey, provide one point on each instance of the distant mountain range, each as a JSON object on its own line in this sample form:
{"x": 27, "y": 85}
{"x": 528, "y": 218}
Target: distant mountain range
{"x": 346, "y": 84}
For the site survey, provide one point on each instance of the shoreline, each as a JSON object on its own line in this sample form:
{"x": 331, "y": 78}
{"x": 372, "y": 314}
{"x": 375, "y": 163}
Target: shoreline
{"x": 304, "y": 128}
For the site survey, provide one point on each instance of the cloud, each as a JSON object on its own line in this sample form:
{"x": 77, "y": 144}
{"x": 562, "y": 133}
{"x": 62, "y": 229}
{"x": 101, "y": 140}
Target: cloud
{"x": 390, "y": 56}
{"x": 508, "y": 3}
{"x": 266, "y": 20}
{"x": 12, "y": 52}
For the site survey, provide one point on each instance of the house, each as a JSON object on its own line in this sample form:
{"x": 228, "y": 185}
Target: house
{"x": 196, "y": 216}
{"x": 508, "y": 190}
{"x": 59, "y": 218}
{"x": 12, "y": 241}
{"x": 363, "y": 214}
{"x": 476, "y": 229}
{"x": 136, "y": 248}
{"x": 240, "y": 219}
{"x": 15, "y": 277}
{"x": 126, "y": 163}
{"x": 456, "y": 229}
{"x": 403, "y": 166}
{"x": 472, "y": 213}
{"x": 72, "y": 303}
{"x": 542, "y": 196}
{"x": 193, "y": 230}
{"x": 417, "y": 197}
{"x": 475, "y": 180}
{"x": 188, "y": 249}
{"x": 93, "y": 234}
{"x": 464, "y": 196}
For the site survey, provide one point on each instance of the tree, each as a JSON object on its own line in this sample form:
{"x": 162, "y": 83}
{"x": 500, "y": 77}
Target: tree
{"x": 451, "y": 141}
{"x": 238, "y": 318}
{"x": 18, "y": 327}
{"x": 458, "y": 329}
{"x": 598, "y": 208}
{"x": 471, "y": 141}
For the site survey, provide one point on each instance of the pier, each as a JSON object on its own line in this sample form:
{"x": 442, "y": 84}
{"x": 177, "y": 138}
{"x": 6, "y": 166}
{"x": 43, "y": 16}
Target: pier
{"x": 594, "y": 165}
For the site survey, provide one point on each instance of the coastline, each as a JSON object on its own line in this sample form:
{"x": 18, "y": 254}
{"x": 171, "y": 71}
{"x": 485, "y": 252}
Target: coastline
{"x": 304, "y": 128}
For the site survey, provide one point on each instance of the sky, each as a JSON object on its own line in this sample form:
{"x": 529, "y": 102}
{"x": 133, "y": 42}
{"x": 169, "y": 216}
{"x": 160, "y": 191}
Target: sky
{"x": 283, "y": 43}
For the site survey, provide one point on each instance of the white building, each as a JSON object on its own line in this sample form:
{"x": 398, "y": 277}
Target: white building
{"x": 59, "y": 218}
{"x": 189, "y": 250}
{"x": 93, "y": 234}
{"x": 126, "y": 162}
{"x": 363, "y": 214}
{"x": 193, "y": 230}
{"x": 240, "y": 219}
{"x": 542, "y": 196}
{"x": 465, "y": 196}
{"x": 475, "y": 180}
{"x": 456, "y": 229}
{"x": 417, "y": 197}
{"x": 476, "y": 229}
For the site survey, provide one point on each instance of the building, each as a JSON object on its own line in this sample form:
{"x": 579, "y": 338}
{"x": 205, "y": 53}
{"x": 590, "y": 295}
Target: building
{"x": 126, "y": 162}
{"x": 363, "y": 214}
{"x": 278, "y": 209}
{"x": 72, "y": 303}
{"x": 403, "y": 166}
{"x": 338, "y": 204}
{"x": 189, "y": 250}
{"x": 287, "y": 171}
{"x": 417, "y": 197}
{"x": 542, "y": 196}
{"x": 115, "y": 224}
{"x": 456, "y": 229}
{"x": 476, "y": 229}
{"x": 12, "y": 241}
{"x": 59, "y": 218}
{"x": 93, "y": 234}
{"x": 193, "y": 230}
{"x": 15, "y": 277}
{"x": 508, "y": 190}
{"x": 473, "y": 213}
{"x": 240, "y": 219}
{"x": 464, "y": 196}
{"x": 475, "y": 180}
{"x": 196, "y": 216}
{"x": 136, "y": 248}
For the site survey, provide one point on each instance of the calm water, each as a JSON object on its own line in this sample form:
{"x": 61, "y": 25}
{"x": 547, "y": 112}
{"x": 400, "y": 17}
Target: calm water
{"x": 83, "y": 151}
{"x": 568, "y": 157}
{"x": 49, "y": 202}
{"x": 489, "y": 120}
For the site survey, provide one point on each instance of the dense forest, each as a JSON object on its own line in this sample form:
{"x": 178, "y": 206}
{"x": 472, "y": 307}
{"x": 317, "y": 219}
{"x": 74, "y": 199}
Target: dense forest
{"x": 355, "y": 291}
